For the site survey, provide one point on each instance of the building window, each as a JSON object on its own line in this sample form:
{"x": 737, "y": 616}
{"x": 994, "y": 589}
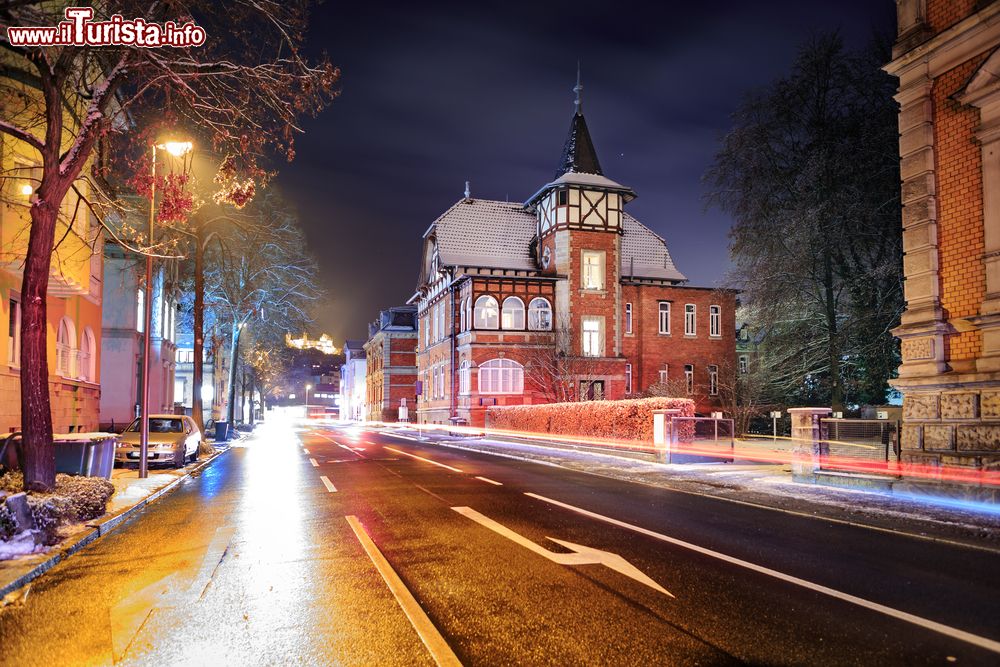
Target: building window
{"x": 487, "y": 313}
{"x": 628, "y": 318}
{"x": 14, "y": 333}
{"x": 593, "y": 343}
{"x": 744, "y": 363}
{"x": 462, "y": 318}
{"x": 468, "y": 313}
{"x": 140, "y": 310}
{"x": 87, "y": 357}
{"x": 501, "y": 376}
{"x": 562, "y": 197}
{"x": 713, "y": 380}
{"x": 464, "y": 377}
{"x": 512, "y": 316}
{"x": 689, "y": 320}
{"x": 664, "y": 374}
{"x": 689, "y": 378}
{"x": 65, "y": 348}
{"x": 714, "y": 321}
{"x": 628, "y": 378}
{"x": 427, "y": 329}
{"x": 593, "y": 269}
{"x": 539, "y": 315}
{"x": 664, "y": 317}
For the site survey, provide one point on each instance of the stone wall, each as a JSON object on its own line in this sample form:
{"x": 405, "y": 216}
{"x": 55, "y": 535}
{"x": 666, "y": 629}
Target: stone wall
{"x": 952, "y": 427}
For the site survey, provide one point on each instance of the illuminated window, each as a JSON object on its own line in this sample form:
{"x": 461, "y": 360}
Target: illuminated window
{"x": 140, "y": 310}
{"x": 14, "y": 332}
{"x": 512, "y": 316}
{"x": 539, "y": 315}
{"x": 714, "y": 321}
{"x": 628, "y": 318}
{"x": 689, "y": 320}
{"x": 487, "y": 313}
{"x": 462, "y": 319}
{"x": 593, "y": 340}
{"x": 65, "y": 348}
{"x": 713, "y": 380}
{"x": 744, "y": 363}
{"x": 664, "y": 317}
{"x": 501, "y": 376}
{"x": 468, "y": 313}
{"x": 88, "y": 347}
{"x": 464, "y": 377}
{"x": 689, "y": 378}
{"x": 593, "y": 269}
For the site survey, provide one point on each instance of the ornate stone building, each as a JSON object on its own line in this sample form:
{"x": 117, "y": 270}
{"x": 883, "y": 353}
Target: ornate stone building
{"x": 563, "y": 297}
{"x": 948, "y": 67}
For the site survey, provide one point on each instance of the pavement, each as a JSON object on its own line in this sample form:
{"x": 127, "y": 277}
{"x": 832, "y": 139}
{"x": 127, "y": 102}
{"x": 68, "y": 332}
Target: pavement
{"x": 327, "y": 545}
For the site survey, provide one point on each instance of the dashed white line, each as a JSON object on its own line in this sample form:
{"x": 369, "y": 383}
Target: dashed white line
{"x": 429, "y": 635}
{"x": 328, "y": 484}
{"x": 313, "y": 462}
{"x": 946, "y": 630}
{"x": 489, "y": 481}
{"x": 421, "y": 458}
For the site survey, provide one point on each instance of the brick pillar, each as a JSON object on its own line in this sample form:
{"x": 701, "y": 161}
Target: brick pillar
{"x": 809, "y": 436}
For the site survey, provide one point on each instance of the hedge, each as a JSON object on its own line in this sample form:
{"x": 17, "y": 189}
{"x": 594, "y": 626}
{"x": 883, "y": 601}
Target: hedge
{"x": 625, "y": 420}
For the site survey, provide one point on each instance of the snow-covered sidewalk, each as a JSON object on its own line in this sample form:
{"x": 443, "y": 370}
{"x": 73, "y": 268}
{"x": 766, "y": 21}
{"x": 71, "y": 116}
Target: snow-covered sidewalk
{"x": 767, "y": 485}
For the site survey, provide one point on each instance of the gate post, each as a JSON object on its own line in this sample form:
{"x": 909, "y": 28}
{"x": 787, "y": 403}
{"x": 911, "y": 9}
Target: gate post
{"x": 809, "y": 436}
{"x": 664, "y": 435}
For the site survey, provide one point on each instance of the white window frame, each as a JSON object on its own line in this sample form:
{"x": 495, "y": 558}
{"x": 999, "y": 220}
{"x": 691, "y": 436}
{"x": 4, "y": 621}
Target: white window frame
{"x": 690, "y": 319}
{"x": 664, "y": 318}
{"x": 512, "y": 316}
{"x": 484, "y": 303}
{"x": 664, "y": 374}
{"x": 628, "y": 378}
{"x": 462, "y": 319}
{"x": 689, "y": 378}
{"x": 628, "y": 318}
{"x": 715, "y": 321}
{"x": 14, "y": 329}
{"x": 465, "y": 378}
{"x": 140, "y": 309}
{"x": 66, "y": 348}
{"x": 539, "y": 314}
{"x": 744, "y": 364}
{"x": 501, "y": 376}
{"x": 592, "y": 269}
{"x": 88, "y": 357}
{"x": 589, "y": 346}
{"x": 713, "y": 380}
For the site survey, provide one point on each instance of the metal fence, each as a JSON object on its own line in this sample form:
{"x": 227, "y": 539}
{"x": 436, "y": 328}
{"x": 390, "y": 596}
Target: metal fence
{"x": 869, "y": 440}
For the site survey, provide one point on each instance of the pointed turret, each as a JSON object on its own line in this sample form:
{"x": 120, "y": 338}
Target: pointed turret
{"x": 579, "y": 155}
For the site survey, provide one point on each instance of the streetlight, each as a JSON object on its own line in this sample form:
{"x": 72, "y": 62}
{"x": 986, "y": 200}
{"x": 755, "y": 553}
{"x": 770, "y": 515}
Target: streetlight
{"x": 177, "y": 149}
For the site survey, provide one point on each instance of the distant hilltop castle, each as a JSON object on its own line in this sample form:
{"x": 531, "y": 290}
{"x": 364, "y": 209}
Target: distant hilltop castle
{"x": 324, "y": 343}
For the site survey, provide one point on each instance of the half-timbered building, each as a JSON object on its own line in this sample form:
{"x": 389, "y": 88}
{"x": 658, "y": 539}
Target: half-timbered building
{"x": 563, "y": 297}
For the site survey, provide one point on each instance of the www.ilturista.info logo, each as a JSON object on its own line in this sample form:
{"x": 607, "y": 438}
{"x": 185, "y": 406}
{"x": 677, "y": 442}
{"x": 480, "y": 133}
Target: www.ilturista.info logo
{"x": 79, "y": 30}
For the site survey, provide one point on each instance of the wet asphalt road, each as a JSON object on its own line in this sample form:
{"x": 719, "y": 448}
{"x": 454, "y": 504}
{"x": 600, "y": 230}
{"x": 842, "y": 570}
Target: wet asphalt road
{"x": 254, "y": 562}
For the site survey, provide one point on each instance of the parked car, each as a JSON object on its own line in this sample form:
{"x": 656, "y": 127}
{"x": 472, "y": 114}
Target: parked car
{"x": 173, "y": 439}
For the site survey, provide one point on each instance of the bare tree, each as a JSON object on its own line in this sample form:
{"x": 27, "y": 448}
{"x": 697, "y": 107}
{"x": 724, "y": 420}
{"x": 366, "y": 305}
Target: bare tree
{"x": 557, "y": 375}
{"x": 246, "y": 87}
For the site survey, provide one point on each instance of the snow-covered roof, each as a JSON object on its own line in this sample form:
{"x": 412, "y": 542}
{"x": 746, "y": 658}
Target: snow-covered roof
{"x": 481, "y": 232}
{"x": 498, "y": 234}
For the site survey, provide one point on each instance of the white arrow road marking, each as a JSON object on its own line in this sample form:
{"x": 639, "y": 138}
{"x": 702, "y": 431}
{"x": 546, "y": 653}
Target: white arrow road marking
{"x": 582, "y": 555}
{"x": 975, "y": 640}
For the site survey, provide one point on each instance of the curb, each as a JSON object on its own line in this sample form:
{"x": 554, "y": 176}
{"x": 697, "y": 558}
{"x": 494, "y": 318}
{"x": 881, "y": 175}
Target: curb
{"x": 100, "y": 529}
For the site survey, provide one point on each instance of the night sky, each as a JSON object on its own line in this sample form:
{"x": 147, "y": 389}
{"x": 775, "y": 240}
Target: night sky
{"x": 434, "y": 94}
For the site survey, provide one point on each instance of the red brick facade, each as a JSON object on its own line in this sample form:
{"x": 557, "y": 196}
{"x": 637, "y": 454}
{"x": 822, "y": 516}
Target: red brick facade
{"x": 391, "y": 368}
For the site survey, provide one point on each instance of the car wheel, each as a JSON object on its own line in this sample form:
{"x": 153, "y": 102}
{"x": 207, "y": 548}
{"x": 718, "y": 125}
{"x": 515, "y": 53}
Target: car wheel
{"x": 194, "y": 455}
{"x": 180, "y": 458}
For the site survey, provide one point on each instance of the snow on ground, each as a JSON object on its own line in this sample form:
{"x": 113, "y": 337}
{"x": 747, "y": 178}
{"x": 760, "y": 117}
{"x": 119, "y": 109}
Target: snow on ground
{"x": 21, "y": 544}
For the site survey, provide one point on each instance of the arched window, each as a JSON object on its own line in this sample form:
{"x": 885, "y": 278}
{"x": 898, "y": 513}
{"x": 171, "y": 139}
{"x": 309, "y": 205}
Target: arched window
{"x": 501, "y": 376}
{"x": 539, "y": 315}
{"x": 65, "y": 347}
{"x": 462, "y": 319}
{"x": 468, "y": 313}
{"x": 88, "y": 359}
{"x": 465, "y": 377}
{"x": 487, "y": 313}
{"x": 513, "y": 313}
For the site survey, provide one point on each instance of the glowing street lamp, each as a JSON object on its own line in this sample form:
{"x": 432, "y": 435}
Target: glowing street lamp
{"x": 308, "y": 387}
{"x": 177, "y": 149}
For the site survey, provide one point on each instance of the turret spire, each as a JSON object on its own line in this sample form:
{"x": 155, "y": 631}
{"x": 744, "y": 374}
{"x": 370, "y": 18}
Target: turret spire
{"x": 578, "y": 89}
{"x": 578, "y": 154}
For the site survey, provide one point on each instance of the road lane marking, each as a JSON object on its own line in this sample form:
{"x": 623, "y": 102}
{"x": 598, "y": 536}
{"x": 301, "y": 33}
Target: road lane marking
{"x": 941, "y": 628}
{"x": 313, "y": 462}
{"x": 305, "y": 451}
{"x": 328, "y": 484}
{"x": 421, "y": 458}
{"x": 489, "y": 481}
{"x": 429, "y": 635}
{"x": 326, "y": 437}
{"x": 582, "y": 555}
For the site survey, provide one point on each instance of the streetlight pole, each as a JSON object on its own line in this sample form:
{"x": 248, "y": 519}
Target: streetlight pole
{"x": 176, "y": 149}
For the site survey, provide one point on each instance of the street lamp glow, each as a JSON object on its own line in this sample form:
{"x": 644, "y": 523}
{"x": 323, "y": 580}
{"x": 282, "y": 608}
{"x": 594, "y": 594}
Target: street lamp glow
{"x": 26, "y": 189}
{"x": 176, "y": 148}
